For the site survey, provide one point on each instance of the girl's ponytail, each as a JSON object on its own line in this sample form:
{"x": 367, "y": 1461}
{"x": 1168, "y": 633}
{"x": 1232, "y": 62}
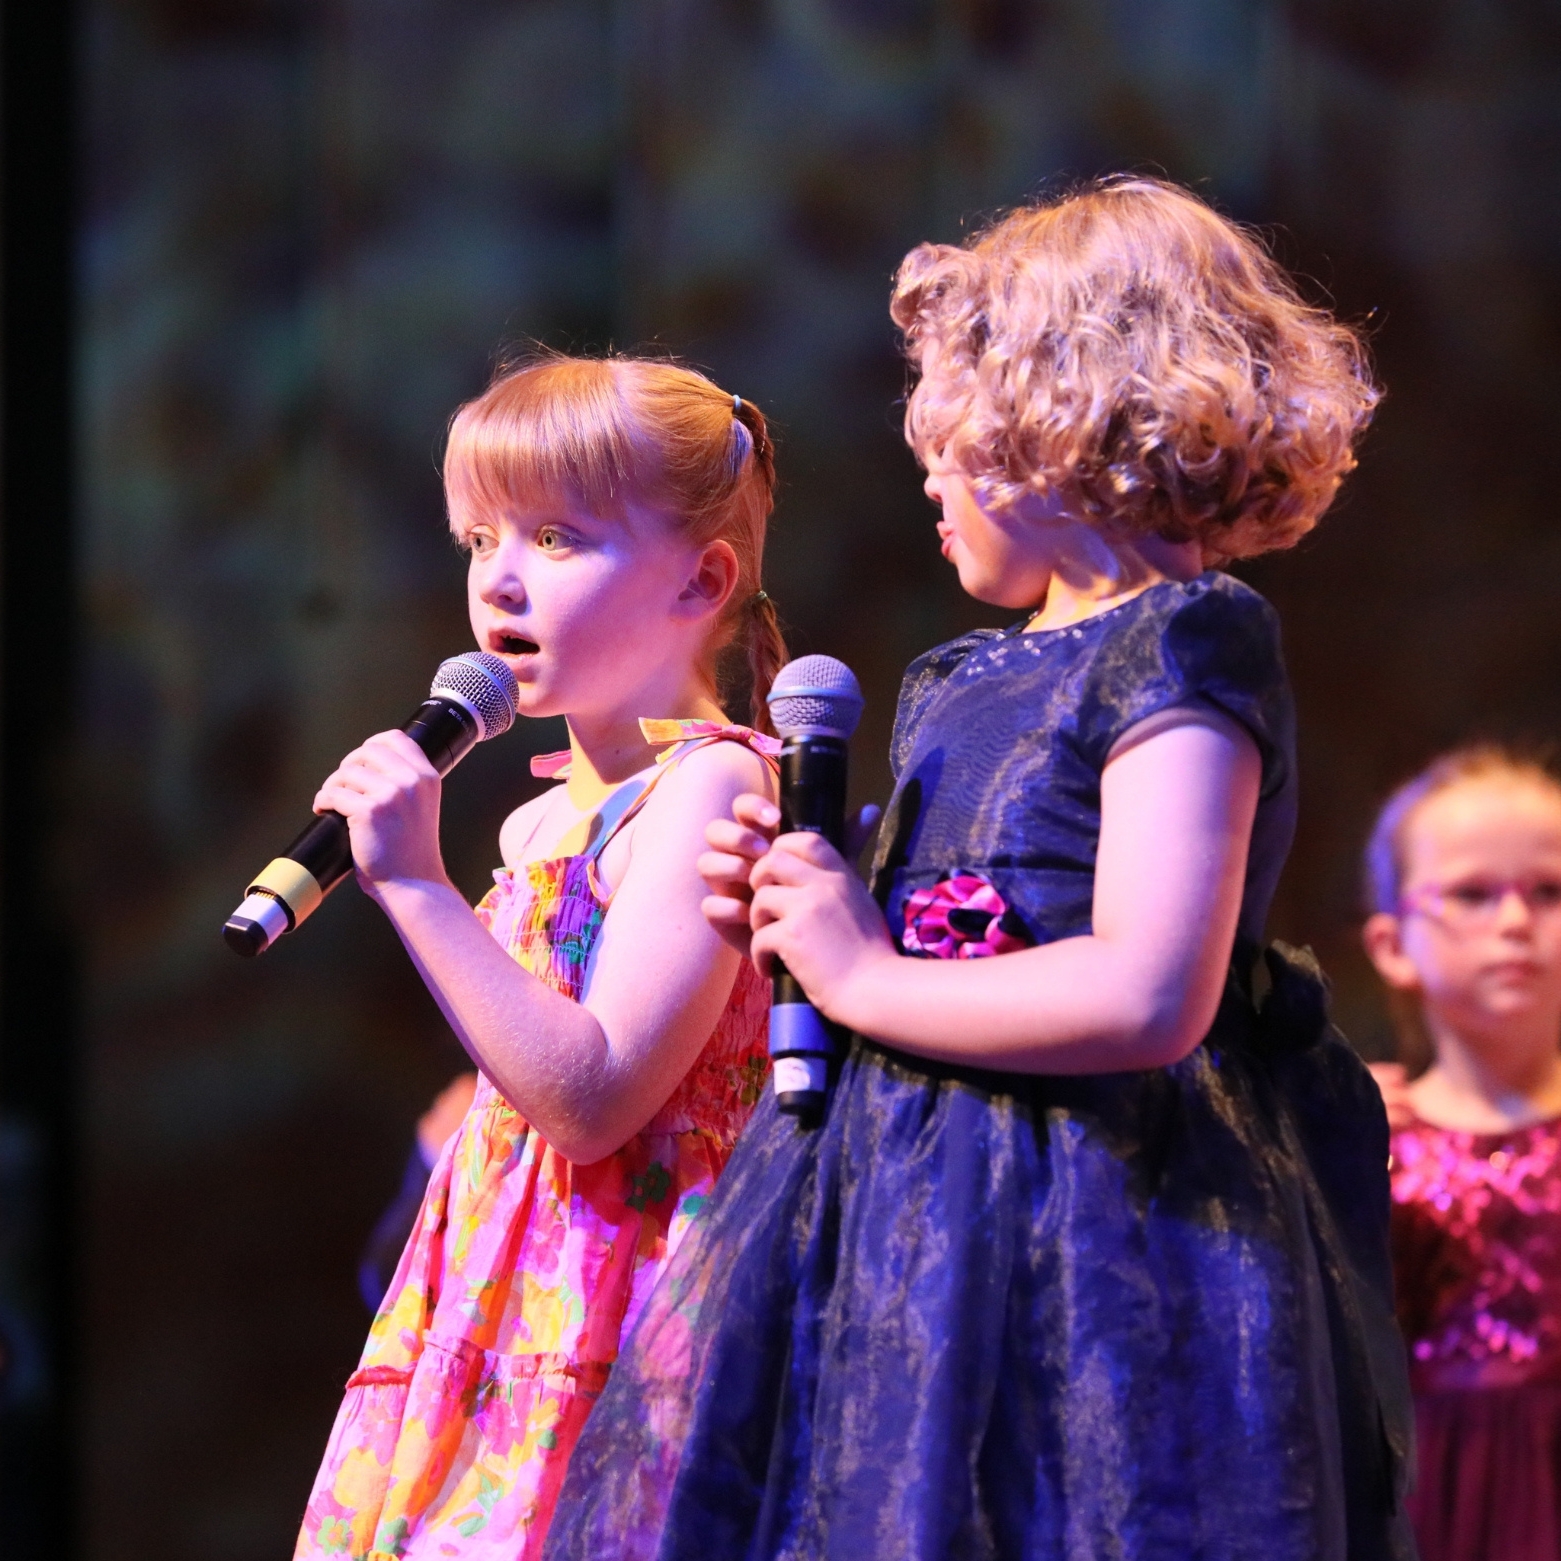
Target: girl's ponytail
{"x": 766, "y": 656}
{"x": 751, "y": 421}
{"x": 761, "y": 632}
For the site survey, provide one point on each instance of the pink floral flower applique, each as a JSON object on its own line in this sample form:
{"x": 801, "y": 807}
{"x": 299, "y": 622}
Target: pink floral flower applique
{"x": 961, "y": 917}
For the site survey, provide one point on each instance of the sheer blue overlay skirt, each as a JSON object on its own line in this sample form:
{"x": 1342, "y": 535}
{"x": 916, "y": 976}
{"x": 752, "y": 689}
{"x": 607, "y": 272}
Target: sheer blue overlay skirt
{"x": 974, "y": 1315}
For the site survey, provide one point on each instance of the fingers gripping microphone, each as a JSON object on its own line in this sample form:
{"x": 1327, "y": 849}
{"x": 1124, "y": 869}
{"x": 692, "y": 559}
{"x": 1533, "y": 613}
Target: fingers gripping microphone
{"x": 815, "y": 704}
{"x": 473, "y": 698}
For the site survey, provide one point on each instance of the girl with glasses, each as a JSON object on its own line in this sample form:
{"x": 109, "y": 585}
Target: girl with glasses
{"x": 1464, "y": 875}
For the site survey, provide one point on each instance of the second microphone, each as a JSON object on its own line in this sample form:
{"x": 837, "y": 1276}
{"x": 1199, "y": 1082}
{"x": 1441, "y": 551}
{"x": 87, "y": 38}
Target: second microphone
{"x": 815, "y": 704}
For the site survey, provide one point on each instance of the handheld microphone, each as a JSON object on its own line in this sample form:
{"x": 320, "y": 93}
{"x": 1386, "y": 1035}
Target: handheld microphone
{"x": 815, "y": 704}
{"x": 473, "y": 697}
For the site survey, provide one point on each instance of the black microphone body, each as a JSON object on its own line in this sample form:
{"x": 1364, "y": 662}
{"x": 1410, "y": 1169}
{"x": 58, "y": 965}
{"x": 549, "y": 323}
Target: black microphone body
{"x": 815, "y": 703}
{"x": 812, "y": 799}
{"x": 446, "y": 726}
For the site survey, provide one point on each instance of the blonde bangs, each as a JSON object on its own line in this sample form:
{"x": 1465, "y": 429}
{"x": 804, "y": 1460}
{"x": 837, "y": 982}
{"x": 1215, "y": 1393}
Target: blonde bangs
{"x": 555, "y": 431}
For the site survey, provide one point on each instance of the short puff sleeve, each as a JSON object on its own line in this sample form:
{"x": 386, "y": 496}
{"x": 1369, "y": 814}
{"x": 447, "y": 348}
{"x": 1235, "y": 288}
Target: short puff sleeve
{"x": 1208, "y": 641}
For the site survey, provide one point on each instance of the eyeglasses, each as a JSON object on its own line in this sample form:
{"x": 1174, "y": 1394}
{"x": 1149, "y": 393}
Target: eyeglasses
{"x": 1476, "y": 903}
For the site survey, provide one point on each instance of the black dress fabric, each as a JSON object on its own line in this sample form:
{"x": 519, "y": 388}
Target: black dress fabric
{"x": 976, "y": 1315}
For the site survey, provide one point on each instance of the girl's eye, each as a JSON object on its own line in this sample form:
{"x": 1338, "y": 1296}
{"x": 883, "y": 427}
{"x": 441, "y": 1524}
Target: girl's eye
{"x": 552, "y": 540}
{"x": 1545, "y": 895}
{"x": 1472, "y": 896}
{"x": 479, "y": 543}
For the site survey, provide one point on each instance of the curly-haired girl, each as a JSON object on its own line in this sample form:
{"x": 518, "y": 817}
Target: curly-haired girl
{"x": 1089, "y": 1256}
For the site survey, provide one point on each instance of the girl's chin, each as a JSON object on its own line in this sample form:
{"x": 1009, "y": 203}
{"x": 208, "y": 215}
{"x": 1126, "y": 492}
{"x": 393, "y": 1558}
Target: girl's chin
{"x": 981, "y": 588}
{"x": 1512, "y": 1001}
{"x": 535, "y": 705}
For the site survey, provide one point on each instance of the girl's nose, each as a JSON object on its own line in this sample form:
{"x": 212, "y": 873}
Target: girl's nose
{"x": 498, "y": 578}
{"x": 1513, "y": 911}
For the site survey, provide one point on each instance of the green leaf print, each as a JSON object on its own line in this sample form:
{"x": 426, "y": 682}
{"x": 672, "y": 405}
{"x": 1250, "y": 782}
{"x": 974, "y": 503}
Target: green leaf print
{"x": 750, "y": 1079}
{"x": 658, "y": 1182}
{"x": 392, "y": 1537}
{"x": 652, "y": 1187}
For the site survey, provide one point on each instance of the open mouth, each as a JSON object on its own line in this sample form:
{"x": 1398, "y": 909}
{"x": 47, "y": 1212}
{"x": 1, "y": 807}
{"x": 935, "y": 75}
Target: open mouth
{"x": 513, "y": 645}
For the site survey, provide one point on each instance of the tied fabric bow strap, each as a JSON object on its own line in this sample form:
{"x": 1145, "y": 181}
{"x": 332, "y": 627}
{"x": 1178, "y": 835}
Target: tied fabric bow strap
{"x": 659, "y": 732}
{"x": 556, "y": 766}
{"x": 552, "y": 766}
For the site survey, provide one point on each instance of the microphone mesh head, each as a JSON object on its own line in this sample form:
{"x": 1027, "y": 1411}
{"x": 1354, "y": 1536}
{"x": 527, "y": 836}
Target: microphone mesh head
{"x": 485, "y": 684}
{"x": 815, "y": 694}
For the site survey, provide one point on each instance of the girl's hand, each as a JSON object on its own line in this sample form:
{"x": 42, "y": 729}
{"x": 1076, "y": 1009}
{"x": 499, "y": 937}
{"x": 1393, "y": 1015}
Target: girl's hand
{"x": 736, "y": 844}
{"x": 1393, "y": 1081}
{"x": 811, "y": 910}
{"x": 389, "y": 794}
{"x": 739, "y": 842}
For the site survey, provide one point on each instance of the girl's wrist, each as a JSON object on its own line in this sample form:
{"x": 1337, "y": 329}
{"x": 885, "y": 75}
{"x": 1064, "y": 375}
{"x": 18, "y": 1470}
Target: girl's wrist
{"x": 866, "y": 996}
{"x": 401, "y": 895}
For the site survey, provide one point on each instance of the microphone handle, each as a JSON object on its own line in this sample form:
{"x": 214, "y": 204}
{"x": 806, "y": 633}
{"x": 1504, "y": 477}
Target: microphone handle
{"x": 291, "y": 886}
{"x": 802, "y": 1041}
{"x": 813, "y": 787}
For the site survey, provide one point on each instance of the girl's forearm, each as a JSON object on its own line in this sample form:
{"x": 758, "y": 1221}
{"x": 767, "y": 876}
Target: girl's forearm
{"x": 1080, "y": 1005}
{"x": 548, "y": 1055}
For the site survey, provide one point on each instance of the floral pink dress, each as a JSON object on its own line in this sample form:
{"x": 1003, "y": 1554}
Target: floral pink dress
{"x": 524, "y": 1270}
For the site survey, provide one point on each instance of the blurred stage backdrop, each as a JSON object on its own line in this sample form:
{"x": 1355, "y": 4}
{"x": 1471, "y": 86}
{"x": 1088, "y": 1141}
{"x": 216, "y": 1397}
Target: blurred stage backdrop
{"x": 306, "y": 228}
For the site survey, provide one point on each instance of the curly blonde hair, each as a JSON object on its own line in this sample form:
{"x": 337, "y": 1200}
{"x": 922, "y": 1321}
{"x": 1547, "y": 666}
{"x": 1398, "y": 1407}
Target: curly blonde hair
{"x": 1144, "y": 358}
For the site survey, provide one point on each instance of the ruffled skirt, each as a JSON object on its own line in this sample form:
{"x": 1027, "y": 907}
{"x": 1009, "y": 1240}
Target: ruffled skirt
{"x": 984, "y": 1316}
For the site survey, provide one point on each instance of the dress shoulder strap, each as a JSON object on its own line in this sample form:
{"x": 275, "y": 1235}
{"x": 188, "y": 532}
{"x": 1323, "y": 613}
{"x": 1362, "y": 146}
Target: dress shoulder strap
{"x": 684, "y": 738}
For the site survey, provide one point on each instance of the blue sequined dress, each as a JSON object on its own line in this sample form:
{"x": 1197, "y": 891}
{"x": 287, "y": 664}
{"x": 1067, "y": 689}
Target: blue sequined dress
{"x": 1142, "y": 1315}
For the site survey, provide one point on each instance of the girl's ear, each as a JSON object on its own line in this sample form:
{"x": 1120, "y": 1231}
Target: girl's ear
{"x": 1383, "y": 936}
{"x": 710, "y": 587}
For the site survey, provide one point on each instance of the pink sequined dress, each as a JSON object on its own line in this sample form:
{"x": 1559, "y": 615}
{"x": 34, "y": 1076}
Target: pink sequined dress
{"x": 524, "y": 1271}
{"x": 1477, "y": 1263}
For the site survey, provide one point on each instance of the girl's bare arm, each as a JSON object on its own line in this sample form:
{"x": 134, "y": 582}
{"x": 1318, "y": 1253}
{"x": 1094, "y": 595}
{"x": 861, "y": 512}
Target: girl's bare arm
{"x": 1139, "y": 991}
{"x": 587, "y": 1075}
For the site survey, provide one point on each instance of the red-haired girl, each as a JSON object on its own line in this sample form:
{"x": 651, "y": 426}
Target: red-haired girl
{"x": 1089, "y": 1256}
{"x": 1464, "y": 874}
{"x": 614, "y": 513}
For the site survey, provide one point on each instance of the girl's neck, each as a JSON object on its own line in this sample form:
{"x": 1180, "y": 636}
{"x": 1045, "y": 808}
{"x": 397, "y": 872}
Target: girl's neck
{"x": 607, "y": 747}
{"x": 1493, "y": 1084}
{"x": 1092, "y": 573}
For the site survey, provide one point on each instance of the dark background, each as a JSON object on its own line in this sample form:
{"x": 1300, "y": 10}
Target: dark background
{"x": 256, "y": 251}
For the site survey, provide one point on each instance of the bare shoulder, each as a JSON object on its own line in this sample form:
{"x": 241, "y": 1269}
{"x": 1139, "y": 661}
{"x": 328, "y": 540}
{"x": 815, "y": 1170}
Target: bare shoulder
{"x": 724, "y": 768}
{"x": 707, "y": 781}
{"x": 516, "y": 831}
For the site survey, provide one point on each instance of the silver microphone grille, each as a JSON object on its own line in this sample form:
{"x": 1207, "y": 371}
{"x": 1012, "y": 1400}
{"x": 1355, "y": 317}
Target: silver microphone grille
{"x": 485, "y": 685}
{"x": 815, "y": 694}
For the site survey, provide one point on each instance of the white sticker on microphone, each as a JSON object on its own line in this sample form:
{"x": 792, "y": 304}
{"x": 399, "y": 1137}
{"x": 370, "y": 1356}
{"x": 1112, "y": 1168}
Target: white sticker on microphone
{"x": 801, "y": 1073}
